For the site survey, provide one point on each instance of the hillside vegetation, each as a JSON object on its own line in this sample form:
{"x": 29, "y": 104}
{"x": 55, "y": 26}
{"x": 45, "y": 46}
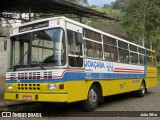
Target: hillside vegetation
{"x": 139, "y": 21}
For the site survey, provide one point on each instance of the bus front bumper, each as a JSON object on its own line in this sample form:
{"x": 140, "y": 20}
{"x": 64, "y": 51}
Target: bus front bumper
{"x": 47, "y": 97}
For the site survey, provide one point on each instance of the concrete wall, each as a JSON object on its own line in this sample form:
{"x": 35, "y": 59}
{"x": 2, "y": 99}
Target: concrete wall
{"x": 3, "y": 57}
{"x": 3, "y": 65}
{"x": 4, "y": 34}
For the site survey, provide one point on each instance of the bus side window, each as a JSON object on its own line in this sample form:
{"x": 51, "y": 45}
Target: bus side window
{"x": 74, "y": 42}
{"x": 141, "y": 59}
{"x": 92, "y": 35}
{"x": 90, "y": 51}
{"x": 93, "y": 49}
{"x": 121, "y": 56}
{"x": 97, "y": 50}
{"x": 133, "y": 58}
{"x": 114, "y": 53}
{"x": 107, "y": 52}
{"x": 75, "y": 49}
{"x": 75, "y": 61}
{"x": 89, "y": 48}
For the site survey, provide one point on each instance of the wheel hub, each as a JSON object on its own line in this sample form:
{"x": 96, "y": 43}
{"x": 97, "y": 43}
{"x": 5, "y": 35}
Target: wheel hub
{"x": 143, "y": 88}
{"x": 92, "y": 97}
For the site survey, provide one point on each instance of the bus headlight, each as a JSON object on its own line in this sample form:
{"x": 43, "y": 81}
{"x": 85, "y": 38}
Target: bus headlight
{"x": 52, "y": 86}
{"x": 9, "y": 86}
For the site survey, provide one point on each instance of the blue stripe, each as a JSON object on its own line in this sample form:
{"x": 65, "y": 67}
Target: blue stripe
{"x": 115, "y": 75}
{"x": 72, "y": 76}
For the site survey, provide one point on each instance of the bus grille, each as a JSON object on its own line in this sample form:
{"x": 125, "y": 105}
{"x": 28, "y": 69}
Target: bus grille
{"x": 28, "y": 87}
{"x": 31, "y": 75}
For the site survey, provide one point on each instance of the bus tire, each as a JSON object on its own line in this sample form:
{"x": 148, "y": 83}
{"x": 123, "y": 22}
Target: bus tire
{"x": 142, "y": 91}
{"x": 92, "y": 100}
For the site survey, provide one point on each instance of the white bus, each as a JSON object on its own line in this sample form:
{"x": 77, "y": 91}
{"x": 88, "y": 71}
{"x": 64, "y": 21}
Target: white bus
{"x": 61, "y": 60}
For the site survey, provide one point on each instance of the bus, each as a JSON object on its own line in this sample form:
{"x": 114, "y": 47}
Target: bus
{"x": 60, "y": 60}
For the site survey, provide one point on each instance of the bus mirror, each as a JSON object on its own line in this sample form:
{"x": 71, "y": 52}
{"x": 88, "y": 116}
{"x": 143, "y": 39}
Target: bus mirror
{"x": 79, "y": 39}
{"x": 5, "y": 45}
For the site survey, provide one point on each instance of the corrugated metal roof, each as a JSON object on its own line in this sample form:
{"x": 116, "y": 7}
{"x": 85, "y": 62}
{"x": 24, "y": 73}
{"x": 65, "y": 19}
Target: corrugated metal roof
{"x": 49, "y": 6}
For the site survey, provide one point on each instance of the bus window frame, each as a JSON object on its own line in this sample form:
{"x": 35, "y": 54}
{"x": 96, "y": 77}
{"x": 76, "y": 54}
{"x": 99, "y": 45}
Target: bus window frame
{"x": 29, "y": 47}
{"x": 93, "y": 42}
{"x": 69, "y": 55}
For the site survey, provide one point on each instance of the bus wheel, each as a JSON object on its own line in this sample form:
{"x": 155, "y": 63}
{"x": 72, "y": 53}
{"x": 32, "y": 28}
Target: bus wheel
{"x": 93, "y": 99}
{"x": 142, "y": 91}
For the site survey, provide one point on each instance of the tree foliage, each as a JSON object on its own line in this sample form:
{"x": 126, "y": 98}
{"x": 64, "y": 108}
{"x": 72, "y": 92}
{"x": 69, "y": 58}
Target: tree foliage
{"x": 141, "y": 21}
{"x": 109, "y": 26}
{"x": 120, "y": 4}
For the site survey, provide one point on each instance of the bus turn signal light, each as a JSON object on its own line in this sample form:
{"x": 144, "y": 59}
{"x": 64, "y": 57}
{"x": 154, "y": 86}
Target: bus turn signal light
{"x": 61, "y": 86}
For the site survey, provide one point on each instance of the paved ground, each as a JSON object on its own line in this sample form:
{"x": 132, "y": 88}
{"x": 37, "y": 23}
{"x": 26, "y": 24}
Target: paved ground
{"x": 120, "y": 103}
{"x": 2, "y": 90}
{"x": 2, "y": 85}
{"x": 8, "y": 102}
{"x": 125, "y": 102}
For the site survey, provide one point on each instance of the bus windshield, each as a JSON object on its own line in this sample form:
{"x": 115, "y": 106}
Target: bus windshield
{"x": 44, "y": 48}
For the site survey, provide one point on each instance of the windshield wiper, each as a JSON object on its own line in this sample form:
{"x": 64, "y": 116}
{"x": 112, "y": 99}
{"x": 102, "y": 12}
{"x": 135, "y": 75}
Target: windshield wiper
{"x": 16, "y": 66}
{"x": 41, "y": 66}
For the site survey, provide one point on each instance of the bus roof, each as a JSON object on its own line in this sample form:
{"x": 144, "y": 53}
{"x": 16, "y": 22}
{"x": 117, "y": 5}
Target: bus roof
{"x": 84, "y": 26}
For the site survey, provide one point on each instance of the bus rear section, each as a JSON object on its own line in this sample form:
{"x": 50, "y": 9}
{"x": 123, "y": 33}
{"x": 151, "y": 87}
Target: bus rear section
{"x": 151, "y": 69}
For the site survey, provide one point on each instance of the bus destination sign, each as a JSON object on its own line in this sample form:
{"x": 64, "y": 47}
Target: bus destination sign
{"x": 34, "y": 26}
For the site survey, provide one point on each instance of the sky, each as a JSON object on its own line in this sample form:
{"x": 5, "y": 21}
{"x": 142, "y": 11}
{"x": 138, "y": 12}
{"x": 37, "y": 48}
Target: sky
{"x": 100, "y": 2}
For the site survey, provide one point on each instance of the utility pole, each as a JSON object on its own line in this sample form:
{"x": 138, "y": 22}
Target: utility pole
{"x": 30, "y": 9}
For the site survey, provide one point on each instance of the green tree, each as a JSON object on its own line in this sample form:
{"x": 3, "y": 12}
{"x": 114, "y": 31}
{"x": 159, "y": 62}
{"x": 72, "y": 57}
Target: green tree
{"x": 142, "y": 22}
{"x": 110, "y": 26}
{"x": 120, "y": 4}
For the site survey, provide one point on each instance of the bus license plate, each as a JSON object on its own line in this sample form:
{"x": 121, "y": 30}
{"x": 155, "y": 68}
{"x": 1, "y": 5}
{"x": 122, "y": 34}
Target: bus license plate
{"x": 27, "y": 97}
